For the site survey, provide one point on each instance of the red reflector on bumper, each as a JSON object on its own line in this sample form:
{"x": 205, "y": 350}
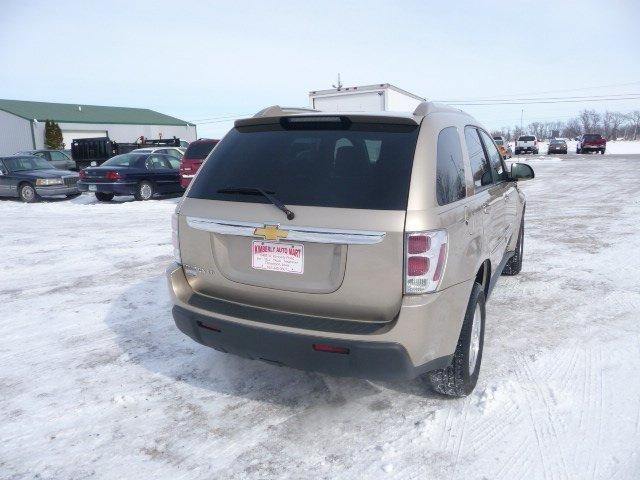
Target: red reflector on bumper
{"x": 323, "y": 347}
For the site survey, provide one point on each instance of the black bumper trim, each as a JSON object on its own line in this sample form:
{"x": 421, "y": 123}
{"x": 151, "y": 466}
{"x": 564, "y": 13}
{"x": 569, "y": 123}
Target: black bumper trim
{"x": 366, "y": 359}
{"x": 284, "y": 319}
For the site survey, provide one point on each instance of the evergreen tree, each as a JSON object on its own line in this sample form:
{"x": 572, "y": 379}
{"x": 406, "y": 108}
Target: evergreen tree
{"x": 52, "y": 135}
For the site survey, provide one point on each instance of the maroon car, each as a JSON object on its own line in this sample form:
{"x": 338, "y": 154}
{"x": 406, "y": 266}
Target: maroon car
{"x": 591, "y": 142}
{"x": 196, "y": 152}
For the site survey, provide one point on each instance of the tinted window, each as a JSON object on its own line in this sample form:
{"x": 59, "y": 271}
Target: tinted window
{"x": 450, "y": 183}
{"x": 198, "y": 151}
{"x": 495, "y": 160}
{"x": 479, "y": 163}
{"x": 58, "y": 156}
{"x": 124, "y": 160}
{"x": 20, "y": 164}
{"x": 527, "y": 138}
{"x": 155, "y": 162}
{"x": 356, "y": 166}
{"x": 591, "y": 137}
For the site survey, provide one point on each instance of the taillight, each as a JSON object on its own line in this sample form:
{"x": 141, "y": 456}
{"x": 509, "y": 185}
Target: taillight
{"x": 82, "y": 174}
{"x": 174, "y": 238}
{"x": 112, "y": 175}
{"x": 425, "y": 258}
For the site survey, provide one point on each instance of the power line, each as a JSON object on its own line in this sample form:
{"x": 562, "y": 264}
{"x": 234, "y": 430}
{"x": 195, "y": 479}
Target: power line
{"x": 555, "y": 91}
{"x": 507, "y": 102}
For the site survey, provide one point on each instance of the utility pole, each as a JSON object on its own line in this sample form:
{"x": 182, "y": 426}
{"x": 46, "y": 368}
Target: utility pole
{"x": 521, "y": 117}
{"x": 339, "y": 85}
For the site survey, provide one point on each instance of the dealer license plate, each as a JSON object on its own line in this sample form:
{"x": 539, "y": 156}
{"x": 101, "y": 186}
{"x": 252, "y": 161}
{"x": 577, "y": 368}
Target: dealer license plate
{"x": 278, "y": 257}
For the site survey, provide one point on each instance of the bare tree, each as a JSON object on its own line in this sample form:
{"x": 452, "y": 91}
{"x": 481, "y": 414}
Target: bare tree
{"x": 572, "y": 128}
{"x": 634, "y": 120}
{"x": 590, "y": 120}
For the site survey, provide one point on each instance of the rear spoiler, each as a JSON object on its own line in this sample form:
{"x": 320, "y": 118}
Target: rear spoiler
{"x": 274, "y": 114}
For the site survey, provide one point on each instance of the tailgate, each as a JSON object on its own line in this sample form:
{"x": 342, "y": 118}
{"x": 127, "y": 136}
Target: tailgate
{"x": 351, "y": 261}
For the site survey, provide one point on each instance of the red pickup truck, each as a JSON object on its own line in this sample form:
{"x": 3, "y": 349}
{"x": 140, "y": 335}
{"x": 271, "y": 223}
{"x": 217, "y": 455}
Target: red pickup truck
{"x": 591, "y": 142}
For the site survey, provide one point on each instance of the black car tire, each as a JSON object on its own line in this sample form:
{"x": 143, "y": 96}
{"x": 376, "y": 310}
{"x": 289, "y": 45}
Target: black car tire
{"x": 27, "y": 193}
{"x": 144, "y": 190}
{"x": 457, "y": 380}
{"x": 602, "y": 152}
{"x": 578, "y": 150}
{"x": 514, "y": 264}
{"x": 104, "y": 197}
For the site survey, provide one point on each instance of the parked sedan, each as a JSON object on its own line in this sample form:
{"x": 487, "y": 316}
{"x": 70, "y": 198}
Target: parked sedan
{"x": 57, "y": 158}
{"x": 557, "y": 145}
{"x": 30, "y": 178}
{"x": 139, "y": 174}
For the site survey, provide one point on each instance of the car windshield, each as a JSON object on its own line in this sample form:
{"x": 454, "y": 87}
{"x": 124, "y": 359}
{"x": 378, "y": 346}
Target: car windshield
{"x": 498, "y": 141}
{"x": 357, "y": 166}
{"x": 21, "y": 164}
{"x": 124, "y": 160}
{"x": 527, "y": 138}
{"x": 555, "y": 140}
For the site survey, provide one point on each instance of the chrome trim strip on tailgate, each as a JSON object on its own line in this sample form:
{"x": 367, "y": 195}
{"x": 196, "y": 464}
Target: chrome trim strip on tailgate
{"x": 302, "y": 234}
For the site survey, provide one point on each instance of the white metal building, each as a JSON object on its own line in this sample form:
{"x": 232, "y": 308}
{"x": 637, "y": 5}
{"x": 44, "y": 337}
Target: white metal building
{"x": 365, "y": 98}
{"x": 22, "y": 124}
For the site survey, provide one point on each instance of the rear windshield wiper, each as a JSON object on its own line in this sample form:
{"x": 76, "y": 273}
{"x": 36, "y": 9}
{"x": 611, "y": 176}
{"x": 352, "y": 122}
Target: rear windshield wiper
{"x": 265, "y": 193}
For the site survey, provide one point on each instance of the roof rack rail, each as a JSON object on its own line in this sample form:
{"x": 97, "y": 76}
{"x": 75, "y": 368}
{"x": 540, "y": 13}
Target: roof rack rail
{"x": 277, "y": 111}
{"x": 425, "y": 108}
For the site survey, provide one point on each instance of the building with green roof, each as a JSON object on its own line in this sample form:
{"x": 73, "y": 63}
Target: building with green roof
{"x": 22, "y": 124}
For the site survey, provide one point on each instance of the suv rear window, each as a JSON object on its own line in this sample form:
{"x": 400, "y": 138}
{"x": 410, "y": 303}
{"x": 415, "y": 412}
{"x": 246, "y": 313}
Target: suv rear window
{"x": 200, "y": 150}
{"x": 591, "y": 137}
{"x": 527, "y": 138}
{"x": 362, "y": 165}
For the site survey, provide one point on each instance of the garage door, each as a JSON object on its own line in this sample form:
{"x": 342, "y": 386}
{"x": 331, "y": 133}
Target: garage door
{"x": 69, "y": 135}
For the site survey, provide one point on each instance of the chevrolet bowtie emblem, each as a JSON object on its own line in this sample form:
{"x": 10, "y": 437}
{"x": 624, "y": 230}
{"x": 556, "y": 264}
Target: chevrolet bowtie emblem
{"x": 270, "y": 232}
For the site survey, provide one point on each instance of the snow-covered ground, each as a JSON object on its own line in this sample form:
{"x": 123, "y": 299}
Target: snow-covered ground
{"x": 96, "y": 381}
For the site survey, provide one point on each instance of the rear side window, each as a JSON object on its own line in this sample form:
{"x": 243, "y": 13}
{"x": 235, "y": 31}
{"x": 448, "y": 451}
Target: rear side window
{"x": 495, "y": 160}
{"x": 199, "y": 151}
{"x": 357, "y": 165}
{"x": 480, "y": 168}
{"x": 450, "y": 182}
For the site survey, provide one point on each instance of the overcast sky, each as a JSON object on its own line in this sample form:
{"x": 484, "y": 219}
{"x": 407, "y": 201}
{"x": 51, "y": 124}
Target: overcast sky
{"x": 206, "y": 60}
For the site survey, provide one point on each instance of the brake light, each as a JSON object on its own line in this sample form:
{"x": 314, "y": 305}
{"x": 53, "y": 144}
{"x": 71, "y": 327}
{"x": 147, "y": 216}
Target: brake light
{"x": 82, "y": 174}
{"x": 425, "y": 258}
{"x": 112, "y": 175}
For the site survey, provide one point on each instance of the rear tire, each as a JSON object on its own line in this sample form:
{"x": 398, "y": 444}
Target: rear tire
{"x": 460, "y": 377}
{"x": 601, "y": 152}
{"x": 27, "y": 193}
{"x": 104, "y": 197}
{"x": 144, "y": 191}
{"x": 514, "y": 264}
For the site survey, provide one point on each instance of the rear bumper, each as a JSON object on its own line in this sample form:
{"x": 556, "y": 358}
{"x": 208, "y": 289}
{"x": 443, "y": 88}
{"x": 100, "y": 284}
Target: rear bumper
{"x": 51, "y": 191}
{"x": 593, "y": 147}
{"x": 422, "y": 338}
{"x": 374, "y": 360}
{"x": 118, "y": 188}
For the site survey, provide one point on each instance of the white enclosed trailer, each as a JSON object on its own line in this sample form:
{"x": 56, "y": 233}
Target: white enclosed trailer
{"x": 366, "y": 98}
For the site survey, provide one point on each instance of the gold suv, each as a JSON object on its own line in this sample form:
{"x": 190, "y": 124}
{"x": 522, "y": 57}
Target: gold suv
{"x": 353, "y": 244}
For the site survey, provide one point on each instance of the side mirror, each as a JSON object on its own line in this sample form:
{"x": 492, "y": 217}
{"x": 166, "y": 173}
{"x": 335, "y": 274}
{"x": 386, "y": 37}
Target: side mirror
{"x": 521, "y": 171}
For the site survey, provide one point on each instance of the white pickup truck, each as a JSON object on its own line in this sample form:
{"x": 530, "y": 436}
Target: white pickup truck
{"x": 526, "y": 143}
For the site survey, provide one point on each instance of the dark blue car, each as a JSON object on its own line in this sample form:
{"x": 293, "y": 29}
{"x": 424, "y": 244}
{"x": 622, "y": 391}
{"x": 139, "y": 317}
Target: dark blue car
{"x": 31, "y": 178}
{"x": 139, "y": 174}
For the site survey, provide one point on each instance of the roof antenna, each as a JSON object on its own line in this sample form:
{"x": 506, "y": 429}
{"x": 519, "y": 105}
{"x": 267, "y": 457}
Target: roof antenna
{"x": 339, "y": 86}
